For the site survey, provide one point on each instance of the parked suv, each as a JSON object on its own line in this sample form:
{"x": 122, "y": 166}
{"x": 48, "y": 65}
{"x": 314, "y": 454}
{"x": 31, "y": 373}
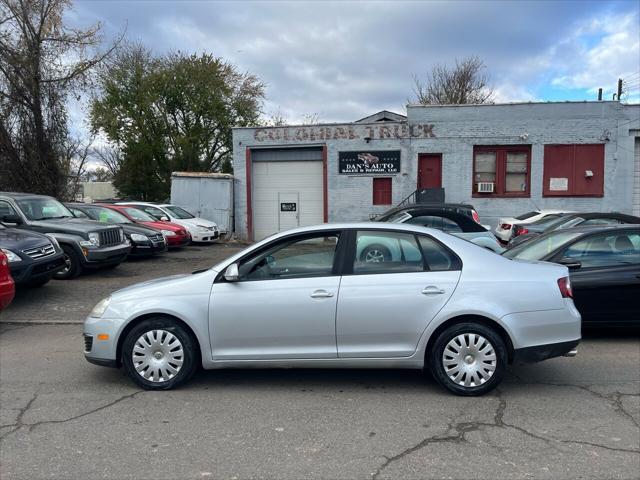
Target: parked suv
{"x": 85, "y": 243}
{"x": 33, "y": 258}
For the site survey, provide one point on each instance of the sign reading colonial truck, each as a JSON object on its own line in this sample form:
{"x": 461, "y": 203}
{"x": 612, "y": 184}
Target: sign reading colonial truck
{"x": 370, "y": 162}
{"x": 343, "y": 132}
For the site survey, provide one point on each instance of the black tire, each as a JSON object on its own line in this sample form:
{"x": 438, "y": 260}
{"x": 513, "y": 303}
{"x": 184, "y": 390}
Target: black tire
{"x": 381, "y": 252}
{"x": 74, "y": 264}
{"x": 190, "y": 353}
{"x": 436, "y": 360}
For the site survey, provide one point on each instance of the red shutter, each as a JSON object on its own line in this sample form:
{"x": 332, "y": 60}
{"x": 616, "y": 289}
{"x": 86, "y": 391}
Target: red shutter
{"x": 382, "y": 191}
{"x": 567, "y": 165}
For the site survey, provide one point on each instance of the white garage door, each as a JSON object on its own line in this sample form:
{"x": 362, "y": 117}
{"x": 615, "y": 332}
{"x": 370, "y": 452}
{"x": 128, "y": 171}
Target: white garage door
{"x": 636, "y": 180}
{"x": 286, "y": 195}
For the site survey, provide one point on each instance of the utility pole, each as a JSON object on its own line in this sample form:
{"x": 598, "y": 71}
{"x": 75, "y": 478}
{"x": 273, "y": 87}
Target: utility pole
{"x": 600, "y": 94}
{"x": 619, "y": 88}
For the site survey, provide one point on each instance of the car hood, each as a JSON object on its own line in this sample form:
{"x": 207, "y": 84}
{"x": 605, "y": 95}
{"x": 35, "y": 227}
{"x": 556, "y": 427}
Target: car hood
{"x": 140, "y": 229}
{"x": 197, "y": 221}
{"x": 167, "y": 286}
{"x": 71, "y": 225}
{"x": 17, "y": 239}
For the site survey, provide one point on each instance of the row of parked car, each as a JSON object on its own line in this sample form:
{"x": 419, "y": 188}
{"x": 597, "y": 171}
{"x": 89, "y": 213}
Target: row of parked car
{"x": 601, "y": 250}
{"x": 42, "y": 238}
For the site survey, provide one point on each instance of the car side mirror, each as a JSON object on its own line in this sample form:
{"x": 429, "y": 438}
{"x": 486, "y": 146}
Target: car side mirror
{"x": 164, "y": 218}
{"x": 231, "y": 274}
{"x": 14, "y": 219}
{"x": 570, "y": 263}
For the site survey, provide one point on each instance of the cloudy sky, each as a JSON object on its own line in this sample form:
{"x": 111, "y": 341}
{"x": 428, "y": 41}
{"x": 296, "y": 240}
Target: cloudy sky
{"x": 346, "y": 60}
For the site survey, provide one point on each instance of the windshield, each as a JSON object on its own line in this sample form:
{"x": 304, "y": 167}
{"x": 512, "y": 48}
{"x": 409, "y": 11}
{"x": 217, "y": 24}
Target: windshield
{"x": 43, "y": 208}
{"x": 106, "y": 215}
{"x": 139, "y": 215}
{"x": 179, "y": 212}
{"x": 524, "y": 216}
{"x": 540, "y": 247}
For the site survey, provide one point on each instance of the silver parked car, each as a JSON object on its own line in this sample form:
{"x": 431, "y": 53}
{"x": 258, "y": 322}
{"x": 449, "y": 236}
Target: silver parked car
{"x": 309, "y": 298}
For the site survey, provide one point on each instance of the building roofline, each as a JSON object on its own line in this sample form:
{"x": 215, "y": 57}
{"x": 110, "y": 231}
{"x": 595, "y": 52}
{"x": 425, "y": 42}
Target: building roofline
{"x": 419, "y": 105}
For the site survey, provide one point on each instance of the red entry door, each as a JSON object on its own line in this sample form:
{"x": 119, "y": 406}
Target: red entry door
{"x": 429, "y": 170}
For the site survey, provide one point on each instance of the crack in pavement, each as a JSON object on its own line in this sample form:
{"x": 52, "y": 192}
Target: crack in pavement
{"x": 462, "y": 428}
{"x": 18, "y": 424}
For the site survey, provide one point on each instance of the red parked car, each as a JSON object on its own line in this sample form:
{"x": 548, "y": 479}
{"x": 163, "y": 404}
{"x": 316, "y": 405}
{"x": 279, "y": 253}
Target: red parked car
{"x": 7, "y": 287}
{"x": 176, "y": 235}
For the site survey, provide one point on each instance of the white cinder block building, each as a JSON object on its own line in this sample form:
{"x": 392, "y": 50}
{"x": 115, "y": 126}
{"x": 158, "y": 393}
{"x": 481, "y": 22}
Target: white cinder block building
{"x": 503, "y": 159}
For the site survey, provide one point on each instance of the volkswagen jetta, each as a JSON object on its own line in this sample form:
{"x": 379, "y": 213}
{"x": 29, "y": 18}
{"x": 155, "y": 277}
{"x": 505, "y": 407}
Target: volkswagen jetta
{"x": 309, "y": 298}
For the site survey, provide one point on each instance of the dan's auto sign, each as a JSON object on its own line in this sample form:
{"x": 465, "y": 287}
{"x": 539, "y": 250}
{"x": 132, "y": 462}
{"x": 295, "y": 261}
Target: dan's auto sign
{"x": 369, "y": 162}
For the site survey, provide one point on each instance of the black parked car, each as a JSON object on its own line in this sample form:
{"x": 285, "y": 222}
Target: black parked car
{"x": 604, "y": 267}
{"x": 33, "y": 258}
{"x": 85, "y": 243}
{"x": 523, "y": 233}
{"x": 144, "y": 240}
{"x": 460, "y": 208}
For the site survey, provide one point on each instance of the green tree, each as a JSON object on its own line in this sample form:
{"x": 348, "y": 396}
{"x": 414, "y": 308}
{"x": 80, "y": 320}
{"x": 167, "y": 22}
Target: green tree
{"x": 42, "y": 61}
{"x": 171, "y": 113}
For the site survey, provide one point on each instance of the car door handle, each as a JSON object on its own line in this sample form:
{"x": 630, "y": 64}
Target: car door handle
{"x": 432, "y": 290}
{"x": 321, "y": 294}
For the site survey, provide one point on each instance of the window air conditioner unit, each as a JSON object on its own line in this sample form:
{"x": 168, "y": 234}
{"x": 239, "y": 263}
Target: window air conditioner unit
{"x": 485, "y": 187}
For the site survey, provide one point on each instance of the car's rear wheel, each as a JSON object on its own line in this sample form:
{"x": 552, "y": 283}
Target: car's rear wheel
{"x": 159, "y": 354}
{"x": 375, "y": 254}
{"x": 72, "y": 266}
{"x": 468, "y": 359}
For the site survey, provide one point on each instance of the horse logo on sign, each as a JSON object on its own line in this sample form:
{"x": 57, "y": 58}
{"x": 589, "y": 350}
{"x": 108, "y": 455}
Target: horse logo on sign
{"x": 368, "y": 159}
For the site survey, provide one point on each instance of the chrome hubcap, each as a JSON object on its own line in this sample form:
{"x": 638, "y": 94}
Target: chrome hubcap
{"x": 374, "y": 256}
{"x": 469, "y": 359}
{"x": 67, "y": 263}
{"x": 157, "y": 356}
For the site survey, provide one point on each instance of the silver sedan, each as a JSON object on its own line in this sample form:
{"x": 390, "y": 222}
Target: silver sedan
{"x": 310, "y": 298}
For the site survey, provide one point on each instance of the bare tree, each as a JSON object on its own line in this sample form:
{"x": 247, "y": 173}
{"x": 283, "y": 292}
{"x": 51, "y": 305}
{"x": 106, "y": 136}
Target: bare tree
{"x": 466, "y": 83}
{"x": 41, "y": 62}
{"x": 74, "y": 159}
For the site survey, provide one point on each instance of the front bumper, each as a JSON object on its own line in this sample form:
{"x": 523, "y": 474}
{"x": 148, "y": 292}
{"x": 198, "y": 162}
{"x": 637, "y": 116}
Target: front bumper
{"x": 174, "y": 241}
{"x": 95, "y": 258}
{"x": 149, "y": 248}
{"x": 210, "y": 236}
{"x": 101, "y": 352}
{"x": 37, "y": 269}
{"x": 543, "y": 352}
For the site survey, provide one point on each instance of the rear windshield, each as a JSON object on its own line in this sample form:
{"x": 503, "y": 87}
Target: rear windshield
{"x": 524, "y": 216}
{"x": 540, "y": 247}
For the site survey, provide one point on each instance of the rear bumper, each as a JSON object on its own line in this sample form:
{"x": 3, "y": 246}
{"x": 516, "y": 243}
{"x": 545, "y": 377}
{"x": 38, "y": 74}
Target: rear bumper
{"x": 542, "y": 352}
{"x": 7, "y": 292}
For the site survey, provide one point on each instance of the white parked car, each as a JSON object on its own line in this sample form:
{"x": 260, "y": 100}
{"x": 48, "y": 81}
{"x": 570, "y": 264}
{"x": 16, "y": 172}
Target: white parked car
{"x": 201, "y": 230}
{"x": 306, "y": 298}
{"x": 504, "y": 229}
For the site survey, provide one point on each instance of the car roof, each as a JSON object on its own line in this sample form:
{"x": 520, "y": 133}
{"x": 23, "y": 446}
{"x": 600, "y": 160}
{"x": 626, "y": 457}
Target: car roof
{"x": 588, "y": 215}
{"x": 23, "y": 195}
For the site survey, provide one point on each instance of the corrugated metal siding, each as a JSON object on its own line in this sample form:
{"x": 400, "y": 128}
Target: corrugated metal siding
{"x": 205, "y": 197}
{"x": 636, "y": 179}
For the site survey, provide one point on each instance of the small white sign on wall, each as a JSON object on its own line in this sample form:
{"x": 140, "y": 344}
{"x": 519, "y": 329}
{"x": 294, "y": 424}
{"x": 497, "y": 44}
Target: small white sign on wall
{"x": 559, "y": 184}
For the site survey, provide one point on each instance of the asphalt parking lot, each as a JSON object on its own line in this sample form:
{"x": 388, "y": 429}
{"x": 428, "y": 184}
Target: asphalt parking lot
{"x": 61, "y": 417}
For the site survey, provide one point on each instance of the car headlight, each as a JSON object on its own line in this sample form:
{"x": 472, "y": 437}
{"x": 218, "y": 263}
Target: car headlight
{"x": 100, "y": 308}
{"x": 11, "y": 256}
{"x": 94, "y": 240}
{"x": 136, "y": 237}
{"x": 167, "y": 233}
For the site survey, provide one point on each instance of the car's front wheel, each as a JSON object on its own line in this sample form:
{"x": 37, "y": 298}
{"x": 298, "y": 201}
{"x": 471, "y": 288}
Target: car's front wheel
{"x": 72, "y": 264}
{"x": 159, "y": 354}
{"x": 468, "y": 359}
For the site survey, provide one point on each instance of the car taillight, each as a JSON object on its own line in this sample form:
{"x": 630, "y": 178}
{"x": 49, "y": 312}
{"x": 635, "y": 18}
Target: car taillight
{"x": 520, "y": 230}
{"x": 564, "y": 284}
{"x": 505, "y": 226}
{"x": 476, "y": 217}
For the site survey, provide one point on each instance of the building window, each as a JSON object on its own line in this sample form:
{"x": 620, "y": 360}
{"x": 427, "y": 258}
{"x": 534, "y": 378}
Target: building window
{"x": 501, "y": 171}
{"x": 382, "y": 191}
{"x": 573, "y": 170}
